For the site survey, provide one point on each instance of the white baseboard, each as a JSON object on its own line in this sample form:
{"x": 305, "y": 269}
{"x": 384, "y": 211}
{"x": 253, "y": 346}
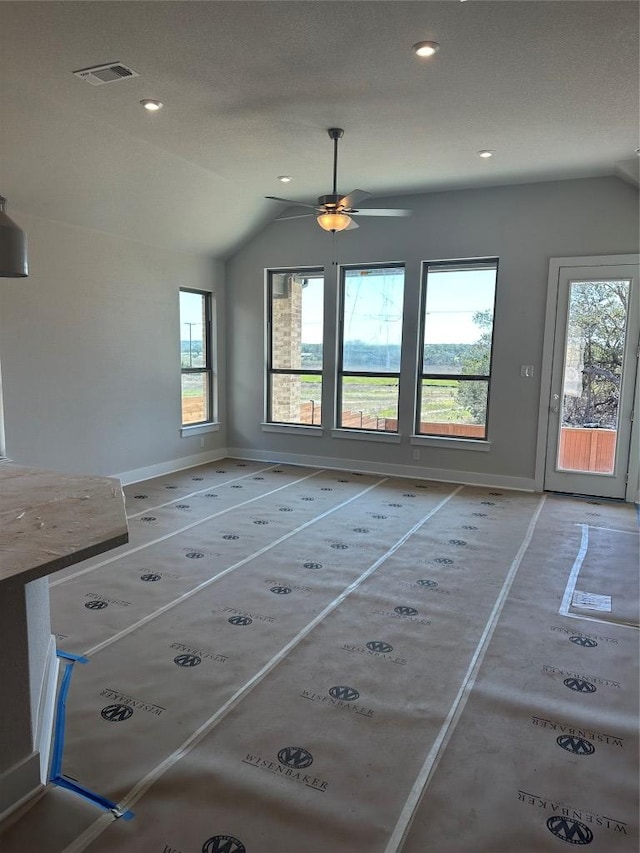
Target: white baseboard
{"x": 46, "y": 710}
{"x": 19, "y": 783}
{"x": 470, "y": 478}
{"x": 28, "y": 777}
{"x": 139, "y": 474}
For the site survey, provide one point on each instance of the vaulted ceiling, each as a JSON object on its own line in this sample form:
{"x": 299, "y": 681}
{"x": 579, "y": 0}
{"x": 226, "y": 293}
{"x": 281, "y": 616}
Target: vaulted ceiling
{"x": 249, "y": 89}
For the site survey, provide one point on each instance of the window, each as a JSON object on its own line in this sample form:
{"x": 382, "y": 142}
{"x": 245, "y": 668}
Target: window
{"x": 457, "y": 332}
{"x": 196, "y": 357}
{"x": 371, "y": 300}
{"x": 294, "y": 346}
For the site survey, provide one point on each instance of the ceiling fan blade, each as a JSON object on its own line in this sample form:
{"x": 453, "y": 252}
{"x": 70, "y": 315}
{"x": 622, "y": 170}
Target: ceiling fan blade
{"x": 351, "y": 226}
{"x": 297, "y": 216}
{"x": 381, "y": 212}
{"x": 289, "y": 201}
{"x": 353, "y": 197}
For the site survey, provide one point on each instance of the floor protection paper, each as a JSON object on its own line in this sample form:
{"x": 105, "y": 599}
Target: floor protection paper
{"x": 292, "y": 659}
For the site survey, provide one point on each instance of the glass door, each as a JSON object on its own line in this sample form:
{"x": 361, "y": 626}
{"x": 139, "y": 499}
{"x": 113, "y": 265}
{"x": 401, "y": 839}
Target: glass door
{"x": 593, "y": 380}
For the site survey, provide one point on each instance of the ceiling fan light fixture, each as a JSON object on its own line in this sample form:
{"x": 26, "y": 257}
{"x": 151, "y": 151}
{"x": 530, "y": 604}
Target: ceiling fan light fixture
{"x": 334, "y": 221}
{"x": 426, "y": 48}
{"x": 332, "y": 210}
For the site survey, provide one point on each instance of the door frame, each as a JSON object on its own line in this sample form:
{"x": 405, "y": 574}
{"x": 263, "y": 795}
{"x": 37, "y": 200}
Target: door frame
{"x": 555, "y": 265}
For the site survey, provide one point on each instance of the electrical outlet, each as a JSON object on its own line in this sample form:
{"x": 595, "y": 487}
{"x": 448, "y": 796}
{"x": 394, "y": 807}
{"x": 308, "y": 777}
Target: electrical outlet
{"x": 416, "y": 454}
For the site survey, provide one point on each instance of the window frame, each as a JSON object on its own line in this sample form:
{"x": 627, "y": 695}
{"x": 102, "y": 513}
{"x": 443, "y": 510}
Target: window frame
{"x": 460, "y": 264}
{"x": 270, "y": 370}
{"x": 340, "y": 372}
{"x": 208, "y": 368}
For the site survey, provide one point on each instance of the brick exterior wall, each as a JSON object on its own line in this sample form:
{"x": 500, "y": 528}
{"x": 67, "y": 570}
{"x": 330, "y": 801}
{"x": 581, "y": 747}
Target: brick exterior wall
{"x": 286, "y": 334}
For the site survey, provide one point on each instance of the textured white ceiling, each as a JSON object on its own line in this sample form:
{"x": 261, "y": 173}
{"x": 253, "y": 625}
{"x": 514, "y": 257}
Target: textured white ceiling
{"x": 250, "y": 88}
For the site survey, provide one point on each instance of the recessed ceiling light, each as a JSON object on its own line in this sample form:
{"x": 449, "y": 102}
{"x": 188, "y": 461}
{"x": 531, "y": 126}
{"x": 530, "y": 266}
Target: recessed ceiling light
{"x": 485, "y": 154}
{"x": 151, "y": 105}
{"x": 285, "y": 179}
{"x": 426, "y": 48}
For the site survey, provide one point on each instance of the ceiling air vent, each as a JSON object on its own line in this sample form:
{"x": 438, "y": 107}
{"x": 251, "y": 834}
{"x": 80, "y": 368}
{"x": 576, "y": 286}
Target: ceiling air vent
{"x": 109, "y": 73}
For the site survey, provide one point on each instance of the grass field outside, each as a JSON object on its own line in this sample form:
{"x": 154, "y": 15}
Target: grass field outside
{"x": 377, "y": 397}
{"x": 367, "y": 401}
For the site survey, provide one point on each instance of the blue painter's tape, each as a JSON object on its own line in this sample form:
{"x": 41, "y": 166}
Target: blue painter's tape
{"x": 126, "y": 815}
{"x": 69, "y": 656}
{"x": 92, "y": 797}
{"x": 58, "y": 739}
{"x": 55, "y": 773}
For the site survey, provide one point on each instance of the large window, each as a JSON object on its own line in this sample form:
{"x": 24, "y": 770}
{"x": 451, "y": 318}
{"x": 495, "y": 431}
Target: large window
{"x": 371, "y": 300}
{"x": 196, "y": 357}
{"x": 457, "y": 331}
{"x": 294, "y": 346}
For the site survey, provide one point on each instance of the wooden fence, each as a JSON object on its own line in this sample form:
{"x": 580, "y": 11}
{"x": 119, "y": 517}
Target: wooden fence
{"x": 311, "y": 413}
{"x": 193, "y": 410}
{"x": 587, "y": 449}
{"x": 580, "y": 449}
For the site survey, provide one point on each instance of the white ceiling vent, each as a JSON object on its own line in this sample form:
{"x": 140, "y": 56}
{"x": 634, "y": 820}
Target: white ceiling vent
{"x": 109, "y": 73}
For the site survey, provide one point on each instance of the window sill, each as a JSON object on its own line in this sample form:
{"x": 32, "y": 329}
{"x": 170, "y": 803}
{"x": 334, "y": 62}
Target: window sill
{"x": 199, "y": 429}
{"x": 450, "y": 443}
{"x": 367, "y": 435}
{"x": 298, "y": 429}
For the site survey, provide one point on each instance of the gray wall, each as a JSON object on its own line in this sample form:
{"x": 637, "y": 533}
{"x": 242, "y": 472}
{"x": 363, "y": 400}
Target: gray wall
{"x": 89, "y": 347}
{"x": 89, "y": 342}
{"x": 522, "y": 225}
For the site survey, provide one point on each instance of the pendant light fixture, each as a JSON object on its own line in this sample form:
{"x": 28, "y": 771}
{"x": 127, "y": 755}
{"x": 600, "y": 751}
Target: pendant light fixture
{"x": 13, "y": 247}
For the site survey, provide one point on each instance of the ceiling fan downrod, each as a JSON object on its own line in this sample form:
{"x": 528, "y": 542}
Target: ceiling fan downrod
{"x": 332, "y": 200}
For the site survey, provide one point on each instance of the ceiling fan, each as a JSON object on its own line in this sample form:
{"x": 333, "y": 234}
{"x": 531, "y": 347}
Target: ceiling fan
{"x": 334, "y": 211}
